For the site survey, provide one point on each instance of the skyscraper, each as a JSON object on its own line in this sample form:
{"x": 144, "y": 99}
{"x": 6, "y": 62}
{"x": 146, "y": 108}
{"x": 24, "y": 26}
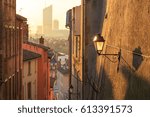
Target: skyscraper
{"x": 55, "y": 25}
{"x": 47, "y": 20}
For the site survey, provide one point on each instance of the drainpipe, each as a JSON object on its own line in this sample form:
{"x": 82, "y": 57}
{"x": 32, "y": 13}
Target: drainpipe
{"x": 83, "y": 44}
{"x": 70, "y": 68}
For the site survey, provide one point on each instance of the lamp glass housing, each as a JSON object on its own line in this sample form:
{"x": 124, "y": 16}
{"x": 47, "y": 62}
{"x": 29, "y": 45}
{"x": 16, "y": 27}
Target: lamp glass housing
{"x": 98, "y": 43}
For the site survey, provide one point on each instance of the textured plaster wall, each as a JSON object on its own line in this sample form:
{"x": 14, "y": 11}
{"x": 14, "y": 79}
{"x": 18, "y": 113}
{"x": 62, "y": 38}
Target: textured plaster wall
{"x": 126, "y": 27}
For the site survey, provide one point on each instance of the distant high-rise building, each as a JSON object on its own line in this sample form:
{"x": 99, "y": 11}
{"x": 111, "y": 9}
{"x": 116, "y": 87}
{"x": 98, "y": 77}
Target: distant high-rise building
{"x": 55, "y": 25}
{"x": 47, "y": 20}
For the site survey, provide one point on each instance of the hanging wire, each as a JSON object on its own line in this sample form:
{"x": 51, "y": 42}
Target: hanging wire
{"x": 89, "y": 82}
{"x": 129, "y": 51}
{"x": 76, "y": 77}
{"x": 93, "y": 85}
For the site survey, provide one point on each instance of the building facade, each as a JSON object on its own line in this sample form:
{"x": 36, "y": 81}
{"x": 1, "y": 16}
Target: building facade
{"x": 11, "y": 37}
{"x": 109, "y": 76}
{"x": 92, "y": 17}
{"x": 43, "y": 81}
{"x": 75, "y": 51}
{"x": 130, "y": 35}
{"x": 21, "y": 35}
{"x": 30, "y": 75}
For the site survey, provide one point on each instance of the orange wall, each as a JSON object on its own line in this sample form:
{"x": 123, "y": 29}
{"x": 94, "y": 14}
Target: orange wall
{"x": 43, "y": 80}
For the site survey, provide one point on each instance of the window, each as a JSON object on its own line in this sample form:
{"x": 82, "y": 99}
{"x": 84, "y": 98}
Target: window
{"x": 17, "y": 85}
{"x": 5, "y": 92}
{"x": 5, "y": 32}
{"x": 29, "y": 91}
{"x": 10, "y": 39}
{"x": 14, "y": 92}
{"x": 29, "y": 68}
{"x": 7, "y": 42}
{"x": 73, "y": 46}
{"x": 10, "y": 88}
{"x": 13, "y": 40}
{"x": 77, "y": 46}
{"x": 35, "y": 66}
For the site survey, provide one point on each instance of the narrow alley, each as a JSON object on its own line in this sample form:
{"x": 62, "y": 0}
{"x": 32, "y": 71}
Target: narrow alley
{"x": 74, "y": 50}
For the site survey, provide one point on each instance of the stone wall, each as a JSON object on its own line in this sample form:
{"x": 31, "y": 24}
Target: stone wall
{"x": 124, "y": 24}
{"x": 126, "y": 27}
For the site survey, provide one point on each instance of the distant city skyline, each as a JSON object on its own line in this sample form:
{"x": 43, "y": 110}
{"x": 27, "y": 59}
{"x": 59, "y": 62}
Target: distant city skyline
{"x": 47, "y": 20}
{"x": 33, "y": 9}
{"x": 55, "y": 25}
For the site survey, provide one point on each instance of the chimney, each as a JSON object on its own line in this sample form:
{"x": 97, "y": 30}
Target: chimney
{"x": 41, "y": 40}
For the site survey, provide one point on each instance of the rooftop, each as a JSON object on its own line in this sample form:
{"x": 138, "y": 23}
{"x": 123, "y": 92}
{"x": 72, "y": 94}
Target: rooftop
{"x": 28, "y": 55}
{"x": 19, "y": 17}
{"x": 61, "y": 54}
{"x": 38, "y": 45}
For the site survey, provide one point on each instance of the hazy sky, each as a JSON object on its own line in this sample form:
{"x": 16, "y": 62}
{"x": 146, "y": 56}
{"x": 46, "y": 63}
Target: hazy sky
{"x": 32, "y": 9}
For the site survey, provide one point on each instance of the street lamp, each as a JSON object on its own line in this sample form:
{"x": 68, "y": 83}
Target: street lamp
{"x": 99, "y": 45}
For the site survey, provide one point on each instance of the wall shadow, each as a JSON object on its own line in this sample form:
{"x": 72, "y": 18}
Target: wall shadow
{"x": 137, "y": 58}
{"x": 96, "y": 19}
{"x": 137, "y": 87}
{"x": 99, "y": 90}
{"x": 106, "y": 92}
{"x": 94, "y": 24}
